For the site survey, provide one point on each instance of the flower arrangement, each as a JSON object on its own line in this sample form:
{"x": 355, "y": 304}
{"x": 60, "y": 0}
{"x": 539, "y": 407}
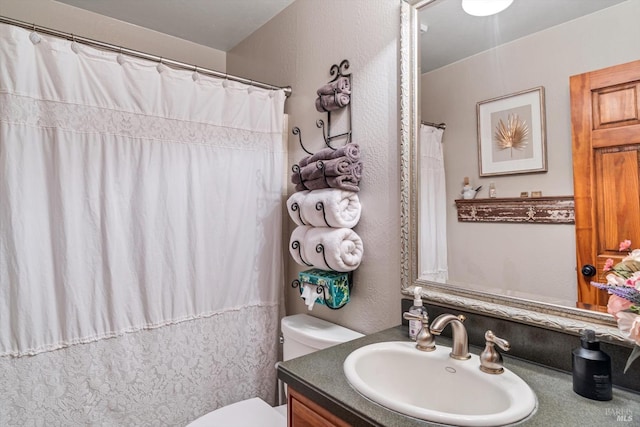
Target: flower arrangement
{"x": 623, "y": 283}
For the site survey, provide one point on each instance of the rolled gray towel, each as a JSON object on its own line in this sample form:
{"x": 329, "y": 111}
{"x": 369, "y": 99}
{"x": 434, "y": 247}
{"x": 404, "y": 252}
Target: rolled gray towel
{"x": 332, "y": 102}
{"x": 356, "y": 170}
{"x": 351, "y": 151}
{"x": 341, "y": 85}
{"x": 343, "y": 182}
{"x": 314, "y": 184}
{"x": 331, "y": 167}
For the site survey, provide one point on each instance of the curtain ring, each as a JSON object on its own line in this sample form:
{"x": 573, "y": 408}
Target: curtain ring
{"x": 74, "y": 45}
{"x": 195, "y": 76}
{"x": 120, "y": 56}
{"x": 34, "y": 36}
{"x": 160, "y": 67}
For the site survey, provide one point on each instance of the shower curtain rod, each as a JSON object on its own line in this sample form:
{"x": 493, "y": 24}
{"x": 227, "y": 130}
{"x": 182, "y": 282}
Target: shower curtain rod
{"x": 287, "y": 90}
{"x": 435, "y": 125}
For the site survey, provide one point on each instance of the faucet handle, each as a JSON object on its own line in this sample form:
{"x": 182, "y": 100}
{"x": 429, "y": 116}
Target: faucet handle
{"x": 500, "y": 342}
{"x": 490, "y": 358}
{"x": 424, "y": 339}
{"x": 424, "y": 318}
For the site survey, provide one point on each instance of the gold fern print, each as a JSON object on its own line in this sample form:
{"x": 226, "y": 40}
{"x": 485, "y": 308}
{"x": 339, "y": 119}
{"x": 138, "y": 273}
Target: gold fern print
{"x": 513, "y": 134}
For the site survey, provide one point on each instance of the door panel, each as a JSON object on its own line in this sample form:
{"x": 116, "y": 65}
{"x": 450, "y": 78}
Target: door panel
{"x": 615, "y": 106}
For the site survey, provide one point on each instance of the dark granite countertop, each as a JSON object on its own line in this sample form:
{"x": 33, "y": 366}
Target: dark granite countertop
{"x": 319, "y": 376}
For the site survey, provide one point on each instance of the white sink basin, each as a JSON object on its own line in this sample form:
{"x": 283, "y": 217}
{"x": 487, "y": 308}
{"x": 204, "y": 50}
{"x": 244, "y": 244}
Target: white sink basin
{"x": 434, "y": 387}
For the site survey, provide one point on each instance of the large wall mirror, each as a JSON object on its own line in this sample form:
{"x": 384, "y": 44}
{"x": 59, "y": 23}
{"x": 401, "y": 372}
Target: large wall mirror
{"x": 525, "y": 272}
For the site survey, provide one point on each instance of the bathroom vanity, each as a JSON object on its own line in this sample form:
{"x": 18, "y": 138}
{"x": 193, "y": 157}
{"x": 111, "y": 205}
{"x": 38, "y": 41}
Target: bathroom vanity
{"x": 321, "y": 395}
{"x": 304, "y": 412}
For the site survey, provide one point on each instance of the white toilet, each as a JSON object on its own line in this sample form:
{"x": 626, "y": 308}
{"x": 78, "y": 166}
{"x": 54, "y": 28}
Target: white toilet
{"x": 303, "y": 334}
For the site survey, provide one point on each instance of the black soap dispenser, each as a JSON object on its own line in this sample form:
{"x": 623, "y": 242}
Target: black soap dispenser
{"x": 591, "y": 369}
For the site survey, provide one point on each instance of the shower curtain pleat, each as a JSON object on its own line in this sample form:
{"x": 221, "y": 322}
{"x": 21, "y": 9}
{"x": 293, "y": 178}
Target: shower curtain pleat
{"x": 432, "y": 245}
{"x": 142, "y": 205}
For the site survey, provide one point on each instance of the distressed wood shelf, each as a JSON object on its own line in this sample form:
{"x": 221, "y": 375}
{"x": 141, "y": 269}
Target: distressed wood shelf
{"x": 533, "y": 210}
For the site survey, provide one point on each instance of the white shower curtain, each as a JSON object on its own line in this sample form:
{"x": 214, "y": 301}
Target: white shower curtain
{"x": 138, "y": 203}
{"x": 432, "y": 229}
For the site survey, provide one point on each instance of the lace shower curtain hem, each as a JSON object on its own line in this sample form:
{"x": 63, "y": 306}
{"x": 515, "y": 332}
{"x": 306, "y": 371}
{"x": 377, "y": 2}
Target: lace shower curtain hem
{"x": 163, "y": 377}
{"x": 115, "y": 334}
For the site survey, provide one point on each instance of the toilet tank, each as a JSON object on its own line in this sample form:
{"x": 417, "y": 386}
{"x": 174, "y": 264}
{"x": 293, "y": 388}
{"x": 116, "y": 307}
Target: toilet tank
{"x": 304, "y": 334}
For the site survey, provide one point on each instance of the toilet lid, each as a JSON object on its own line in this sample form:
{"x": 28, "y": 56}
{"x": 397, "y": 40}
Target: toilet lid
{"x": 247, "y": 413}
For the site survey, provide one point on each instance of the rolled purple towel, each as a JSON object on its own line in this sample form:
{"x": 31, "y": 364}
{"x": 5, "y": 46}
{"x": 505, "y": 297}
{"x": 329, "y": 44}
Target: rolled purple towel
{"x": 295, "y": 179}
{"x": 332, "y": 167}
{"x": 341, "y": 85}
{"x": 332, "y": 102}
{"x": 314, "y": 184}
{"x": 342, "y": 182}
{"x": 356, "y": 170}
{"x": 351, "y": 151}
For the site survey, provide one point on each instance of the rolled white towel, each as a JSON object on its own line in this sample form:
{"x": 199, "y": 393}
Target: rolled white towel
{"x": 342, "y": 249}
{"x": 340, "y": 208}
{"x": 294, "y": 206}
{"x": 296, "y": 245}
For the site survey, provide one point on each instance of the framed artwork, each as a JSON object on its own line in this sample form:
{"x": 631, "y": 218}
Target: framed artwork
{"x": 512, "y": 134}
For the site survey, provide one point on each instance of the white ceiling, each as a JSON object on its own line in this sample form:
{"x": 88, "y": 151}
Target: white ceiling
{"x": 220, "y": 24}
{"x": 453, "y": 35}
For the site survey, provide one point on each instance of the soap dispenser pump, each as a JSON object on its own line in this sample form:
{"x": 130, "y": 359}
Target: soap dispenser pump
{"x": 591, "y": 369}
{"x": 418, "y": 309}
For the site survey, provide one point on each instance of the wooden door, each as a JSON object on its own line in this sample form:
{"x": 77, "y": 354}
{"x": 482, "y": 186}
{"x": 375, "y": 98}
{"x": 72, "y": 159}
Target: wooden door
{"x": 605, "y": 119}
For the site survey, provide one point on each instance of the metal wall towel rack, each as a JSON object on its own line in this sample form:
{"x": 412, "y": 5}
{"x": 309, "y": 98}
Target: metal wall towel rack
{"x": 337, "y": 71}
{"x": 326, "y": 292}
{"x": 435, "y": 125}
{"x": 295, "y": 245}
{"x": 295, "y": 207}
{"x": 320, "y": 165}
{"x": 321, "y": 290}
{"x": 107, "y": 46}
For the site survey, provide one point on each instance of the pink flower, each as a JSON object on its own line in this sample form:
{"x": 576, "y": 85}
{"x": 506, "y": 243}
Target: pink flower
{"x": 624, "y": 245}
{"x": 634, "y": 280}
{"x": 629, "y": 324}
{"x": 607, "y": 264}
{"x": 617, "y": 304}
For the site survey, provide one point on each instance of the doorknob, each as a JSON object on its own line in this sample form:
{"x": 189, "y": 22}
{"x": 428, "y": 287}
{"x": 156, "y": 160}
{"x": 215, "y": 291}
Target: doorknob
{"x": 588, "y": 270}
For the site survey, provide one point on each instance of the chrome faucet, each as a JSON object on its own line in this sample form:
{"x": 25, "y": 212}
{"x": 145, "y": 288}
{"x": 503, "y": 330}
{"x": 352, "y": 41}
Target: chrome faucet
{"x": 460, "y": 339}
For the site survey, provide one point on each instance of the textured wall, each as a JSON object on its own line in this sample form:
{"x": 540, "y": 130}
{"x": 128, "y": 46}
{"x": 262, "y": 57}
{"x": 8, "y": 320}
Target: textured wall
{"x": 297, "y": 48}
{"x": 69, "y": 19}
{"x": 527, "y": 258}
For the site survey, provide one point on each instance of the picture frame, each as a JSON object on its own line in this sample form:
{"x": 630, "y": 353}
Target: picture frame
{"x": 512, "y": 134}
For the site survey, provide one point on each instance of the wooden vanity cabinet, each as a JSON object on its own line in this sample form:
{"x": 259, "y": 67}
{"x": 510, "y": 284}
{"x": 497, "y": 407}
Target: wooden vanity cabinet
{"x": 303, "y": 412}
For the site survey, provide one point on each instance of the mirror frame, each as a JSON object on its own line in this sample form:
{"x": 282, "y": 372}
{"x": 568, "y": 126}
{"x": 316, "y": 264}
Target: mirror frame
{"x": 549, "y": 316}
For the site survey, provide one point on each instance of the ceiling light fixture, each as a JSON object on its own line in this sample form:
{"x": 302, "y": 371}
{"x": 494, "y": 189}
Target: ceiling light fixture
{"x": 485, "y": 7}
